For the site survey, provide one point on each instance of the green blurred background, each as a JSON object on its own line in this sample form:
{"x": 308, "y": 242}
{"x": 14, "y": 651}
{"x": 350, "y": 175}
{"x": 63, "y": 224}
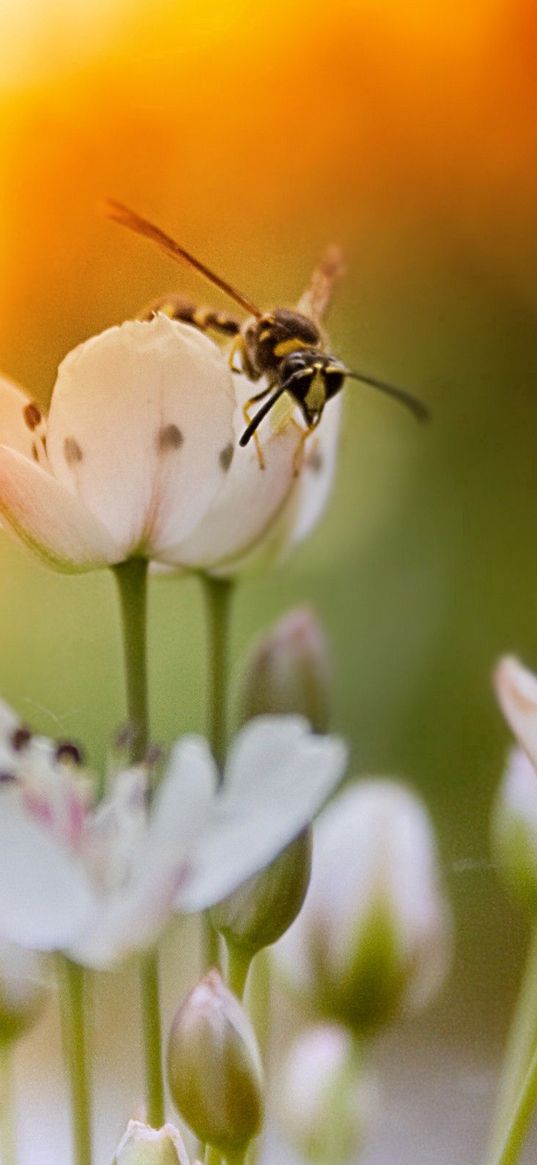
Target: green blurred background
{"x": 256, "y": 135}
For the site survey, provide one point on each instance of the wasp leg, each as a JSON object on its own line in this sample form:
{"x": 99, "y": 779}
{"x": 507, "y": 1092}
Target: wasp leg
{"x": 298, "y": 458}
{"x": 203, "y": 318}
{"x": 238, "y": 347}
{"x": 246, "y": 414}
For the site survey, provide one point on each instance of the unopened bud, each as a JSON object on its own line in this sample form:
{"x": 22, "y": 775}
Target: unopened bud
{"x": 214, "y": 1068}
{"x": 263, "y": 908}
{"x": 142, "y": 1145}
{"x": 288, "y": 672}
{"x": 22, "y": 990}
{"x": 372, "y": 940}
{"x": 325, "y": 1097}
{"x": 514, "y": 828}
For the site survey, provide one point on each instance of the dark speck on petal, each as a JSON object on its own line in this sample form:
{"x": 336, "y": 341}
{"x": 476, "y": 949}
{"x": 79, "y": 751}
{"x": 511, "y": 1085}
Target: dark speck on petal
{"x": 169, "y": 437}
{"x": 225, "y": 457}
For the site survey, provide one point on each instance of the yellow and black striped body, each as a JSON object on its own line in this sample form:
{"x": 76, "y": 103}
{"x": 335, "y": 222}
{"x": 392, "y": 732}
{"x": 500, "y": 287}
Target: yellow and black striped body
{"x": 204, "y": 318}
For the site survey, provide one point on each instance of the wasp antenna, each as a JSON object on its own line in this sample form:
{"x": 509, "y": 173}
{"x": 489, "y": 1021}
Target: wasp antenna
{"x": 416, "y": 406}
{"x": 141, "y": 226}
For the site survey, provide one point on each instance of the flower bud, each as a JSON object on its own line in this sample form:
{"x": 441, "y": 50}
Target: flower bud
{"x": 141, "y": 1145}
{"x": 514, "y": 828}
{"x": 22, "y": 990}
{"x": 372, "y": 939}
{"x": 263, "y": 908}
{"x": 214, "y": 1068}
{"x": 325, "y": 1098}
{"x": 288, "y": 671}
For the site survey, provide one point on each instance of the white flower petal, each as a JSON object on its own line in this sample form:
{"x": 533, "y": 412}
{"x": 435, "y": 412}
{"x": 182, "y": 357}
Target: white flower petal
{"x": 274, "y": 793}
{"x": 246, "y": 506}
{"x": 15, "y": 430}
{"x": 516, "y": 689}
{"x": 182, "y": 800}
{"x": 48, "y": 519}
{"x": 45, "y": 897}
{"x": 316, "y": 478}
{"x": 131, "y": 918}
{"x": 141, "y": 418}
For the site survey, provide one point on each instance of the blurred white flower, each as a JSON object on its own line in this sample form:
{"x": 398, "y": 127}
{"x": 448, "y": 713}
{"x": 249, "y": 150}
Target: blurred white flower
{"x": 514, "y": 827}
{"x": 325, "y": 1098}
{"x": 372, "y": 939}
{"x": 516, "y": 689}
{"x": 23, "y": 990}
{"x": 142, "y": 1145}
{"x": 100, "y": 883}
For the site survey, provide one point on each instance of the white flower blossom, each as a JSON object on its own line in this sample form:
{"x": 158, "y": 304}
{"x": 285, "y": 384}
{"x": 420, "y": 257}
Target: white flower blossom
{"x": 101, "y": 882}
{"x": 372, "y": 939}
{"x": 139, "y": 457}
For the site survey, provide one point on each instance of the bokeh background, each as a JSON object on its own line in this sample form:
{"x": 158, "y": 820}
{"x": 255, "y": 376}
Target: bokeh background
{"x": 256, "y": 133}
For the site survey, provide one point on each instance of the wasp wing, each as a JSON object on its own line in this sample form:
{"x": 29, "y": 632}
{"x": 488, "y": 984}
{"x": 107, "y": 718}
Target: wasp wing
{"x": 316, "y": 299}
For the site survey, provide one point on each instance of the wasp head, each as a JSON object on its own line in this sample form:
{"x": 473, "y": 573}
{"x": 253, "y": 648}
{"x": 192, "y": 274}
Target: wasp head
{"x": 312, "y": 378}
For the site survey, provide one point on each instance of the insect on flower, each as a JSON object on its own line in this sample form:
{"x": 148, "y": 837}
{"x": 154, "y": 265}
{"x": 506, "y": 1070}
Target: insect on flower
{"x": 286, "y": 347}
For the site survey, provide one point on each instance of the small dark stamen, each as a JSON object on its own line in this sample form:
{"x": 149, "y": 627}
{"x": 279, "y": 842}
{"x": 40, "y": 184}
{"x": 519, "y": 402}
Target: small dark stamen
{"x": 7, "y": 778}
{"x": 225, "y": 457}
{"x": 20, "y": 738}
{"x": 169, "y": 437}
{"x": 32, "y": 416}
{"x": 68, "y": 753}
{"x": 72, "y": 451}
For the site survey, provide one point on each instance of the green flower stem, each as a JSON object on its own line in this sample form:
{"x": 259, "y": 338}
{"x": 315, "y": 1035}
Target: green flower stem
{"x": 74, "y": 1005}
{"x": 238, "y": 966}
{"x": 131, "y": 579}
{"x": 217, "y": 594}
{"x": 519, "y": 1125}
{"x": 152, "y": 1041}
{"x": 521, "y": 1042}
{"x": 260, "y": 1000}
{"x": 8, "y": 1144}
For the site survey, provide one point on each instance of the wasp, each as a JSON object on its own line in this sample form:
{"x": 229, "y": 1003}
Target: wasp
{"x": 286, "y": 347}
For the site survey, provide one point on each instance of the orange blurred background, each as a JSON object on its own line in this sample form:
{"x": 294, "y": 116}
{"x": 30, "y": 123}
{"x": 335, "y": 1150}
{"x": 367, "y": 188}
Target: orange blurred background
{"x": 253, "y": 131}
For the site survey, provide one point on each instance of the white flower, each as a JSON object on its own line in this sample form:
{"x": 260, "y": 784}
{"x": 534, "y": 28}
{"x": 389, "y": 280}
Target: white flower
{"x": 514, "y": 827}
{"x": 142, "y": 1145}
{"x": 136, "y": 447}
{"x": 514, "y": 822}
{"x": 324, "y": 1096}
{"x": 106, "y": 888}
{"x": 259, "y": 516}
{"x": 516, "y": 689}
{"x": 372, "y": 939}
{"x": 139, "y": 457}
